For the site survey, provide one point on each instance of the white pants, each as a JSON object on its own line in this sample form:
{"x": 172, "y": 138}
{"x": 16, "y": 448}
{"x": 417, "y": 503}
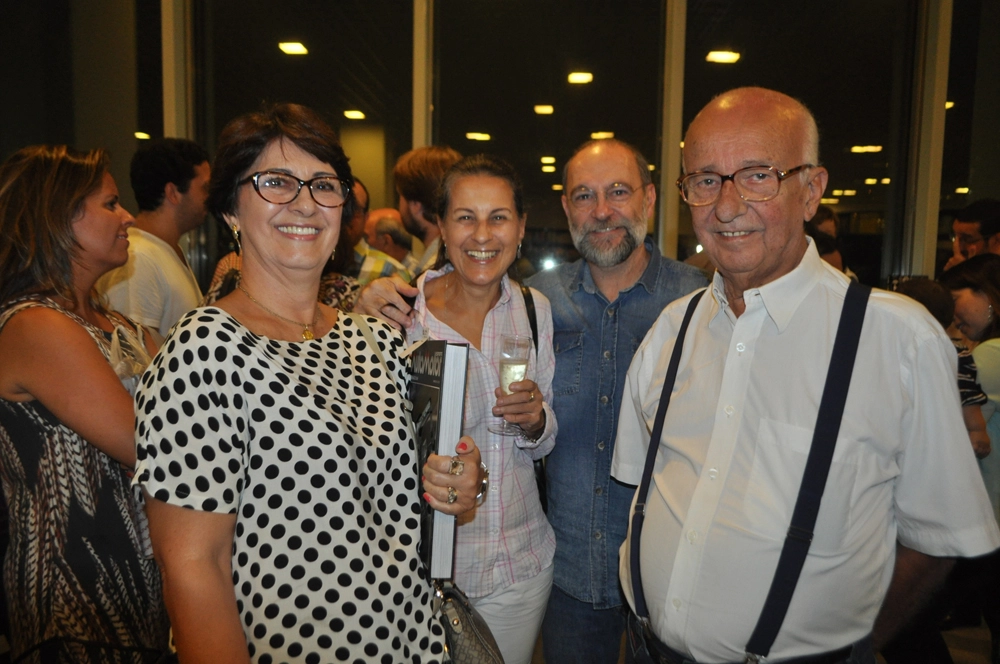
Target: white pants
{"x": 514, "y": 615}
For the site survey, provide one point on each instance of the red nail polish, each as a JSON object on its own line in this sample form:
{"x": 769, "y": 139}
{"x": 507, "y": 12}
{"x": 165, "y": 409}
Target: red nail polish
{"x": 427, "y": 497}
{"x": 462, "y": 447}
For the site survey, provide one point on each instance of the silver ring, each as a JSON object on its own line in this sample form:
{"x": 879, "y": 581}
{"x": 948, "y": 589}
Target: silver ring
{"x": 457, "y": 466}
{"x": 452, "y": 495}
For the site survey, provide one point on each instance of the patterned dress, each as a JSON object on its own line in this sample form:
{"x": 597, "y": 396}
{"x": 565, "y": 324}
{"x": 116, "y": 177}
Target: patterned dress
{"x": 78, "y": 584}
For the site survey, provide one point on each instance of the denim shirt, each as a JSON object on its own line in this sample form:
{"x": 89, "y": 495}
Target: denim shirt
{"x": 594, "y": 342}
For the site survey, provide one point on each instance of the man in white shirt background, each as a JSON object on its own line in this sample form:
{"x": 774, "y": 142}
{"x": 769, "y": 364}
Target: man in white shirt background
{"x": 903, "y": 497}
{"x": 156, "y": 286}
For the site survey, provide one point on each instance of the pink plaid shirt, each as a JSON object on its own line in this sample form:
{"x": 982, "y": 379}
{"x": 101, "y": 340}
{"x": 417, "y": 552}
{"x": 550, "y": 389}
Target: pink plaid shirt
{"x": 507, "y": 539}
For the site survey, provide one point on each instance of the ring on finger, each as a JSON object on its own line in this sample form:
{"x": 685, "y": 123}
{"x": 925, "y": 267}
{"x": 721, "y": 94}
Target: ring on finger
{"x": 452, "y": 495}
{"x": 457, "y": 466}
{"x": 531, "y": 395}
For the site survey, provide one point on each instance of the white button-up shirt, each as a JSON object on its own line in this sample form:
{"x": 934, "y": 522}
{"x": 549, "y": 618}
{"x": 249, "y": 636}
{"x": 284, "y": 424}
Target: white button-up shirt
{"x": 734, "y": 448}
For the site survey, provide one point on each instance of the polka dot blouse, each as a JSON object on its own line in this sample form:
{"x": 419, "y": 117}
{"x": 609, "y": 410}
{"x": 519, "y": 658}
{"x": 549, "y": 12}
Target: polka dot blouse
{"x": 307, "y": 443}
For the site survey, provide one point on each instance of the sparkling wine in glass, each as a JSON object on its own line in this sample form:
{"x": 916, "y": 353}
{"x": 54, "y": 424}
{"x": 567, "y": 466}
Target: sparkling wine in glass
{"x": 514, "y": 353}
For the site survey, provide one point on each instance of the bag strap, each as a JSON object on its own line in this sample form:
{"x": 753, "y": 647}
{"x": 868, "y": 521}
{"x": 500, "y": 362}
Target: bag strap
{"x": 800, "y": 532}
{"x": 639, "y": 511}
{"x": 529, "y": 306}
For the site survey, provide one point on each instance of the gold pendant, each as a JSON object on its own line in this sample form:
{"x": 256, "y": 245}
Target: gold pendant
{"x": 307, "y": 334}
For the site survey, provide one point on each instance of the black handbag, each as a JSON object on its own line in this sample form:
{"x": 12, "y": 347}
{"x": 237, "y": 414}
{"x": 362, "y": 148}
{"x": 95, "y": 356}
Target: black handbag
{"x": 468, "y": 638}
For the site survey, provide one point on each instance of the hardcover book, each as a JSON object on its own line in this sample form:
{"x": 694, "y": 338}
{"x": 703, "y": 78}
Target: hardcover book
{"x": 437, "y": 391}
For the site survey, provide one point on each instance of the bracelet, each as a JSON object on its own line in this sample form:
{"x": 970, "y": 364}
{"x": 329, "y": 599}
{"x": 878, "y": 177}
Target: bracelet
{"x": 484, "y": 487}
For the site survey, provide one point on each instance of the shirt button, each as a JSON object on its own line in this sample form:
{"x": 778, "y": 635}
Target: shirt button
{"x": 604, "y": 399}
{"x": 600, "y": 445}
{"x": 692, "y": 536}
{"x": 496, "y": 446}
{"x": 494, "y": 531}
{"x": 607, "y": 355}
{"x": 677, "y": 602}
{"x": 740, "y": 347}
{"x": 611, "y": 312}
{"x": 597, "y": 535}
{"x": 599, "y": 490}
{"x": 713, "y": 473}
{"x": 730, "y": 410}
{"x": 494, "y": 486}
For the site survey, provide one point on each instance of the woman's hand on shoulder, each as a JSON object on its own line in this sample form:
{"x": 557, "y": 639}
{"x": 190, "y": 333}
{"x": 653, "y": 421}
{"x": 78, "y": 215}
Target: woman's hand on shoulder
{"x": 462, "y": 473}
{"x": 385, "y": 298}
{"x": 523, "y": 407}
{"x": 47, "y": 356}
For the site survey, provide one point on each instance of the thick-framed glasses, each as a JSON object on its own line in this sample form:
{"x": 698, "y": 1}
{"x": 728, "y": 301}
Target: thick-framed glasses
{"x": 617, "y": 195}
{"x": 755, "y": 184}
{"x": 280, "y": 188}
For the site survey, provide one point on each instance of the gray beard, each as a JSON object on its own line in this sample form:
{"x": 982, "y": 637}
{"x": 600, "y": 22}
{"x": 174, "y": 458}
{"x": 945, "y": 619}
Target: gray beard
{"x": 608, "y": 257}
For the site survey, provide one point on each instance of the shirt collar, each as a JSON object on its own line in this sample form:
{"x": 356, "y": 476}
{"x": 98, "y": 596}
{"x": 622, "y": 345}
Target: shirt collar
{"x": 781, "y": 297}
{"x": 420, "y": 305}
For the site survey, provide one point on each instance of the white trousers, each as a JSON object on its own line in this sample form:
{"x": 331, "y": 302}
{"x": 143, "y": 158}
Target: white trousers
{"x": 515, "y": 614}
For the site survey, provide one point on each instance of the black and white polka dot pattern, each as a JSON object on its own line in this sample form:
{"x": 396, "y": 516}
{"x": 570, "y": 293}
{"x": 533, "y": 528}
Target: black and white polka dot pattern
{"x": 307, "y": 443}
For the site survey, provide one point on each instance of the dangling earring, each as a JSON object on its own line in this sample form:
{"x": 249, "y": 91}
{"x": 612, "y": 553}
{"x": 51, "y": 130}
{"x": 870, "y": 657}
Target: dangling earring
{"x": 518, "y": 251}
{"x": 990, "y": 319}
{"x": 236, "y": 236}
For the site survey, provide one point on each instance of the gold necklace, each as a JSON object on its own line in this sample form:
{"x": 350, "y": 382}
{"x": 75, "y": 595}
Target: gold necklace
{"x": 307, "y": 334}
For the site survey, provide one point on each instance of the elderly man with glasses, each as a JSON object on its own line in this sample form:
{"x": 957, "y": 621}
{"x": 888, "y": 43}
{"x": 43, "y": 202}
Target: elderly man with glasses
{"x": 763, "y": 533}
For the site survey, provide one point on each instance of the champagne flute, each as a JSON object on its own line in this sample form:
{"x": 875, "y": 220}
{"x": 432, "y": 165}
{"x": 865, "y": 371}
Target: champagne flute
{"x": 514, "y": 353}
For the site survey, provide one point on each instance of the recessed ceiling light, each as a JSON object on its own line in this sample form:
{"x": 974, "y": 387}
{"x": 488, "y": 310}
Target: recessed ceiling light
{"x": 544, "y": 109}
{"x": 871, "y": 180}
{"x": 354, "y": 115}
{"x": 293, "y": 48}
{"x": 476, "y": 136}
{"x": 962, "y": 190}
{"x": 142, "y": 136}
{"x": 949, "y": 104}
{"x": 548, "y": 160}
{"x": 651, "y": 167}
{"x": 548, "y": 169}
{"x": 866, "y": 148}
{"x": 601, "y": 135}
{"x": 557, "y": 187}
{"x": 837, "y": 192}
{"x": 722, "y": 57}
{"x": 850, "y": 192}
{"x": 886, "y": 180}
{"x": 580, "y": 77}
{"x": 829, "y": 201}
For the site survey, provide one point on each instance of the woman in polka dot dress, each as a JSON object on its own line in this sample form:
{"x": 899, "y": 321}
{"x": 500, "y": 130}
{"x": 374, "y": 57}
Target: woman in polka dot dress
{"x": 504, "y": 549}
{"x": 273, "y": 444}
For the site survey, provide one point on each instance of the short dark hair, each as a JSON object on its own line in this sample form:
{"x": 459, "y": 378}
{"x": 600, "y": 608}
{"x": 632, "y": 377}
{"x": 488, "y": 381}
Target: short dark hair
{"x": 418, "y": 174}
{"x": 161, "y": 161}
{"x": 42, "y": 190}
{"x": 980, "y": 273}
{"x": 645, "y": 176}
{"x": 823, "y": 213}
{"x": 245, "y": 138}
{"x": 933, "y": 295}
{"x": 986, "y": 211}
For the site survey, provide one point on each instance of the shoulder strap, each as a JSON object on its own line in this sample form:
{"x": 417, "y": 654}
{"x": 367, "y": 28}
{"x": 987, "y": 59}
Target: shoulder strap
{"x": 800, "y": 532}
{"x": 529, "y": 305}
{"x": 639, "y": 511}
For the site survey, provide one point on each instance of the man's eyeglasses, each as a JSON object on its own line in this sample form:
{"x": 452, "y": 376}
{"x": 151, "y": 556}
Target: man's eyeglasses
{"x": 280, "y": 188}
{"x": 755, "y": 184}
{"x": 585, "y": 198}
